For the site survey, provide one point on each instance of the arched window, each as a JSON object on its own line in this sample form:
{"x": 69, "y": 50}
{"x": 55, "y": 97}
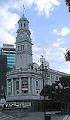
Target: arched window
{"x": 23, "y": 47}
{"x": 21, "y": 24}
{"x": 24, "y": 25}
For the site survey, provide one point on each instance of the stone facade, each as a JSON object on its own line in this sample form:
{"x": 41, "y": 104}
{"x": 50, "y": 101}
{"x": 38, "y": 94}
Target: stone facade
{"x": 23, "y": 45}
{"x": 25, "y": 82}
{"x": 23, "y": 85}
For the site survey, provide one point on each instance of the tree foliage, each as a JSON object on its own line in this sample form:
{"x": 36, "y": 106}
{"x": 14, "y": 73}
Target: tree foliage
{"x": 59, "y": 91}
{"x": 62, "y": 85}
{"x": 67, "y": 55}
{"x": 68, "y": 4}
{"x": 65, "y": 81}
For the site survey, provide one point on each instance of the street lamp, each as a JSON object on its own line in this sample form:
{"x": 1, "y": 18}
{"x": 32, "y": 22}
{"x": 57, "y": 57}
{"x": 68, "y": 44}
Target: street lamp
{"x": 44, "y": 69}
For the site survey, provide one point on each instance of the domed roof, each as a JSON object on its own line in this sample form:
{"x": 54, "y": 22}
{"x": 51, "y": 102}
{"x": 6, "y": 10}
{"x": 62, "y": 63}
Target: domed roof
{"x": 35, "y": 65}
{"x": 45, "y": 63}
{"x": 23, "y": 18}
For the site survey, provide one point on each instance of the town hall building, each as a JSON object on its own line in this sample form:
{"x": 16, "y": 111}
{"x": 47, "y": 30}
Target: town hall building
{"x": 25, "y": 81}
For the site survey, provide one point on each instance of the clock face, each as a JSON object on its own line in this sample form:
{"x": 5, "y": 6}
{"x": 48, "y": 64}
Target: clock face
{"x": 21, "y": 36}
{"x": 24, "y": 36}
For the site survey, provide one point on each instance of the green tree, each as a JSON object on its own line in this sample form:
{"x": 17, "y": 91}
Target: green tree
{"x": 68, "y": 4}
{"x": 49, "y": 91}
{"x": 65, "y": 81}
{"x": 54, "y": 97}
{"x": 65, "y": 92}
{"x": 59, "y": 92}
{"x": 67, "y": 55}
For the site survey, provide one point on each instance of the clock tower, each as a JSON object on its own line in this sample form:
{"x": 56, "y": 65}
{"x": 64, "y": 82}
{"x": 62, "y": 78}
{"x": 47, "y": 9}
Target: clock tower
{"x": 23, "y": 44}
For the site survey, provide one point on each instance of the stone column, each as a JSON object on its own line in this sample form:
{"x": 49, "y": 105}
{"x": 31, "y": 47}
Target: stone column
{"x": 7, "y": 87}
{"x": 29, "y": 86}
{"x": 12, "y": 87}
{"x": 20, "y": 85}
{"x": 33, "y": 86}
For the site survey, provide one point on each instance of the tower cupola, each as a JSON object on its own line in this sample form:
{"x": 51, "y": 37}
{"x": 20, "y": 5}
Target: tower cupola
{"x": 23, "y": 32}
{"x": 23, "y": 23}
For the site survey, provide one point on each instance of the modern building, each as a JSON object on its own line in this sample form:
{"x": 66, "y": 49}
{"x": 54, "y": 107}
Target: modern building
{"x": 25, "y": 82}
{"x": 9, "y": 51}
{"x": 3, "y": 71}
{"x": 7, "y": 62}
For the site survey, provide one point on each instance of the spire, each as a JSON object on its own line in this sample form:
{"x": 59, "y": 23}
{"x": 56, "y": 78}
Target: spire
{"x": 23, "y": 10}
{"x": 23, "y": 22}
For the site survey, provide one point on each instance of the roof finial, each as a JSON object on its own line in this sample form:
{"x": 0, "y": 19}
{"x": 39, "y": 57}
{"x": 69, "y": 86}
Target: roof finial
{"x": 23, "y": 10}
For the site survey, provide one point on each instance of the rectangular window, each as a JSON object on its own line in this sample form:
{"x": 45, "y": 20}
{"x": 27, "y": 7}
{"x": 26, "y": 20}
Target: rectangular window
{"x": 17, "y": 85}
{"x": 24, "y": 85}
{"x": 23, "y": 47}
{"x": 52, "y": 76}
{"x": 57, "y": 78}
{"x": 21, "y": 24}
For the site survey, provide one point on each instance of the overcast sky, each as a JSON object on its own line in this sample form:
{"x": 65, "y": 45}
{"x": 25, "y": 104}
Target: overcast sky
{"x": 49, "y": 23}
